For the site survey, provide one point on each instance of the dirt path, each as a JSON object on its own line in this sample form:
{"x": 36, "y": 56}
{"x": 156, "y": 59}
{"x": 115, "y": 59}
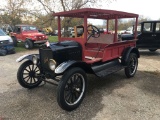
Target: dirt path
{"x": 112, "y": 98}
{"x": 8, "y": 70}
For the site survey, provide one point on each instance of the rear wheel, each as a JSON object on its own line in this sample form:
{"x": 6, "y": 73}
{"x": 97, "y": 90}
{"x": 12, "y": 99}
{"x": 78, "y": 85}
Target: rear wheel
{"x": 152, "y": 50}
{"x": 72, "y": 89}
{"x": 132, "y": 64}
{"x": 28, "y": 44}
{"x": 26, "y": 75}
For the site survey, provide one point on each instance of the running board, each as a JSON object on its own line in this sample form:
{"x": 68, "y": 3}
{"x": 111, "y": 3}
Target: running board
{"x": 107, "y": 68}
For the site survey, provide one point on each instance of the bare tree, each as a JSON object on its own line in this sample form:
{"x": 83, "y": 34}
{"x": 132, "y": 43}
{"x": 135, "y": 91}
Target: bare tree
{"x": 66, "y": 5}
{"x": 13, "y": 12}
{"x": 51, "y": 6}
{"x": 40, "y": 12}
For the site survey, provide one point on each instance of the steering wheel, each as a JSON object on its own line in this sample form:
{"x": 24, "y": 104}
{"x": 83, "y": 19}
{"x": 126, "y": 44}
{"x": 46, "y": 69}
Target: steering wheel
{"x": 93, "y": 31}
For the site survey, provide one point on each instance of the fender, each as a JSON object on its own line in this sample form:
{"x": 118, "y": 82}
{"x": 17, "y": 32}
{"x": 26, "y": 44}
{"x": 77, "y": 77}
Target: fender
{"x": 28, "y": 38}
{"x": 65, "y": 65}
{"x": 126, "y": 53}
{"x": 28, "y": 56}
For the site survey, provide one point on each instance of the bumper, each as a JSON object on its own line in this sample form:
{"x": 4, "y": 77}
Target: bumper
{"x": 41, "y": 41}
{"x": 8, "y": 47}
{"x": 10, "y": 50}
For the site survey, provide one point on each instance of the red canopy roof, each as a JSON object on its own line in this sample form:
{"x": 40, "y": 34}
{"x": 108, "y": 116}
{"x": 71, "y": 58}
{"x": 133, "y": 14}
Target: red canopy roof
{"x": 96, "y": 13}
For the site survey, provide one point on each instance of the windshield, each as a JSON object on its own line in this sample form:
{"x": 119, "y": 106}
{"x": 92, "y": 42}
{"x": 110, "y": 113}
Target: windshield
{"x": 138, "y": 28}
{"x": 131, "y": 28}
{"x": 2, "y": 33}
{"x": 28, "y": 28}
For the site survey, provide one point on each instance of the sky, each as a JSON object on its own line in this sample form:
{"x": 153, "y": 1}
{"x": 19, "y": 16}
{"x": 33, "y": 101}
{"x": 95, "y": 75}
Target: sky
{"x": 148, "y": 8}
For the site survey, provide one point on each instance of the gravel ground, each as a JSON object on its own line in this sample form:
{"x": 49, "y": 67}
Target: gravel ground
{"x": 112, "y": 98}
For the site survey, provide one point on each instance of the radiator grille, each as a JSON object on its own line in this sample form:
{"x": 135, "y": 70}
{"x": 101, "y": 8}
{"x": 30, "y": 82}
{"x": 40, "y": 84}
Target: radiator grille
{"x": 45, "y": 56}
{"x": 40, "y": 37}
{"x": 4, "y": 42}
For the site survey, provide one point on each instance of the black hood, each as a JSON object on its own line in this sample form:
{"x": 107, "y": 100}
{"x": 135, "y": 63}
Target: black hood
{"x": 61, "y": 52}
{"x": 64, "y": 45}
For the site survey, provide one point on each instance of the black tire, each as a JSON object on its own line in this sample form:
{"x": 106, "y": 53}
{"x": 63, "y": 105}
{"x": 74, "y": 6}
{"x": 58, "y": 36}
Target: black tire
{"x": 14, "y": 41}
{"x": 28, "y": 44}
{"x": 3, "y": 52}
{"x": 11, "y": 52}
{"x": 132, "y": 65}
{"x": 152, "y": 50}
{"x": 26, "y": 75}
{"x": 71, "y": 89}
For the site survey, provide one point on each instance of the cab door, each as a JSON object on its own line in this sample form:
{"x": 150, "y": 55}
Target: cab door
{"x": 157, "y": 34}
{"x": 146, "y": 37}
{"x": 18, "y": 33}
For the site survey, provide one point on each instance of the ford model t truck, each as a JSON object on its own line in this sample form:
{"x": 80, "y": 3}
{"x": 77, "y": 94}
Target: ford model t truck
{"x": 29, "y": 35}
{"x": 67, "y": 61}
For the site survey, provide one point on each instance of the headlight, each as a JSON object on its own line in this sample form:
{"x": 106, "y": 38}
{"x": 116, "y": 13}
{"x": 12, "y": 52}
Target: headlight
{"x": 52, "y": 64}
{"x": 34, "y": 59}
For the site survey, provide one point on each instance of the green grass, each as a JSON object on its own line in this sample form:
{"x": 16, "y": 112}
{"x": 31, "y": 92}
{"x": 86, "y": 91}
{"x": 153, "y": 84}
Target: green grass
{"x": 53, "y": 38}
{"x": 20, "y": 46}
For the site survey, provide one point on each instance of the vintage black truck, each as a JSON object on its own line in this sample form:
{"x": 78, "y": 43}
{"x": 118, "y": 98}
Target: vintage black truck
{"x": 148, "y": 37}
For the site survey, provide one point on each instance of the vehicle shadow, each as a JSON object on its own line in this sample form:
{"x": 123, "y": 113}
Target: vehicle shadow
{"x": 148, "y": 53}
{"x": 41, "y": 102}
{"x": 150, "y": 82}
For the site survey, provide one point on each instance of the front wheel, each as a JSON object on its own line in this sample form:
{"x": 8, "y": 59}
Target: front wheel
{"x": 132, "y": 64}
{"x": 71, "y": 89}
{"x": 27, "y": 73}
{"x": 28, "y": 44}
